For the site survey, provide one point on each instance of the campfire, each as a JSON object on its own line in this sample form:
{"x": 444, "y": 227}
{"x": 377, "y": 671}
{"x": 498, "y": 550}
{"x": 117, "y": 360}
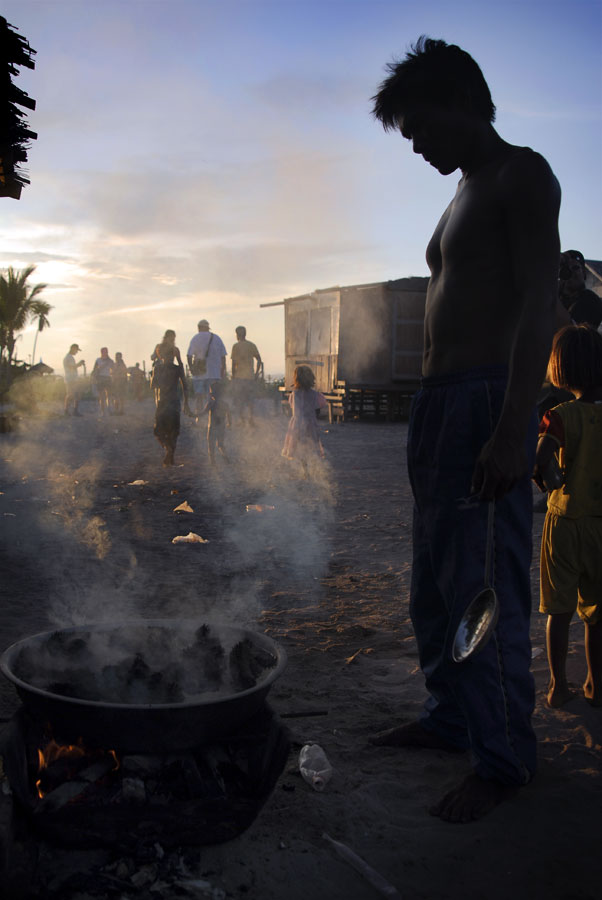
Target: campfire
{"x": 187, "y": 753}
{"x": 63, "y": 763}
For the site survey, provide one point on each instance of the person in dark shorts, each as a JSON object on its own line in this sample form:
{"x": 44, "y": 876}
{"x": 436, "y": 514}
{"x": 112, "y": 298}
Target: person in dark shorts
{"x": 168, "y": 378}
{"x": 489, "y": 319}
{"x": 244, "y": 354}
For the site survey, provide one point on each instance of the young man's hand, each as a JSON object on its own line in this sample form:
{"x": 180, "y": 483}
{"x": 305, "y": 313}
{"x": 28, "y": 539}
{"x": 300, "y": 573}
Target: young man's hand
{"x": 500, "y": 465}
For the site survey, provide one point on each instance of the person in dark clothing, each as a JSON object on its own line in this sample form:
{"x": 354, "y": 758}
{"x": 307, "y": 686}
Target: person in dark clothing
{"x": 218, "y": 411}
{"x": 168, "y": 376}
{"x": 583, "y": 306}
{"x": 489, "y": 320}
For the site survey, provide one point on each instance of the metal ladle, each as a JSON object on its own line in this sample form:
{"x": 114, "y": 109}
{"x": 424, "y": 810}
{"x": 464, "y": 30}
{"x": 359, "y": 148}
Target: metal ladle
{"x": 481, "y": 615}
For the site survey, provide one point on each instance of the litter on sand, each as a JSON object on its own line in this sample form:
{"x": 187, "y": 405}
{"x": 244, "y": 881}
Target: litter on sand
{"x": 377, "y": 881}
{"x": 257, "y": 507}
{"x": 190, "y": 538}
{"x": 184, "y": 507}
{"x": 138, "y": 481}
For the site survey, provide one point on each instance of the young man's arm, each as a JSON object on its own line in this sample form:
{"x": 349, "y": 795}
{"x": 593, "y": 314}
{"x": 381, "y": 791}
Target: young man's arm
{"x": 531, "y": 199}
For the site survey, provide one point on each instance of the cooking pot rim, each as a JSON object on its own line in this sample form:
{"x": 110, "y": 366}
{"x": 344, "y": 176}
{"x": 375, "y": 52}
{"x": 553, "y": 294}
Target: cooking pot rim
{"x": 281, "y": 659}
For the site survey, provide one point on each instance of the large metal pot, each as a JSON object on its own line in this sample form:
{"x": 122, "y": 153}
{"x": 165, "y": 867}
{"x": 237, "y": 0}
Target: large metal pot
{"x": 141, "y": 727}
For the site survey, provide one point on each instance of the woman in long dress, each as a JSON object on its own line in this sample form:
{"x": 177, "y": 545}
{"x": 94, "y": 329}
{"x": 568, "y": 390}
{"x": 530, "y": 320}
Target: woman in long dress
{"x": 302, "y": 441}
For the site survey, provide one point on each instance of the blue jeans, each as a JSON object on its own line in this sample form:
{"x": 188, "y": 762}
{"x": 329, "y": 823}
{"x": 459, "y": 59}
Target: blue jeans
{"x": 486, "y": 702}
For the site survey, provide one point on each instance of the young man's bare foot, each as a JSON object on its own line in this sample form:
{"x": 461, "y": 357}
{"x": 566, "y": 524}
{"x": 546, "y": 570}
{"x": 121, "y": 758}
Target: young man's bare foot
{"x": 559, "y": 694}
{"x": 412, "y": 735}
{"x": 471, "y": 799}
{"x": 592, "y": 693}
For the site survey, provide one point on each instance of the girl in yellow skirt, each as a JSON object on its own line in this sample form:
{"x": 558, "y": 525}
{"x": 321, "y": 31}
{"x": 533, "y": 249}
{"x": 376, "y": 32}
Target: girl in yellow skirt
{"x": 571, "y": 549}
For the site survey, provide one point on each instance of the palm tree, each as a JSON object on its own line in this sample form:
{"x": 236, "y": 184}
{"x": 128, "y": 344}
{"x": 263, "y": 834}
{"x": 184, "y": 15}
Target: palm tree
{"x": 43, "y": 322}
{"x": 19, "y": 305}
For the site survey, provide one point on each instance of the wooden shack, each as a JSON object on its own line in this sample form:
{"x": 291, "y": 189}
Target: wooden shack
{"x": 363, "y": 341}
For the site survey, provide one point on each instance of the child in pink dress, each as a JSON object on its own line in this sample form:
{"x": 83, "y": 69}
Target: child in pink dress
{"x": 303, "y": 437}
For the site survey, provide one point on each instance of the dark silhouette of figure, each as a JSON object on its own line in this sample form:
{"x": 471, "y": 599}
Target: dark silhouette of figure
{"x": 218, "y": 410}
{"x": 244, "y": 373}
{"x": 583, "y": 306}
{"x": 489, "y": 320}
{"x": 168, "y": 379}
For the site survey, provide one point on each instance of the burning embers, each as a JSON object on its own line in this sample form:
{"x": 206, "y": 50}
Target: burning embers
{"x": 91, "y": 777}
{"x": 70, "y": 770}
{"x": 86, "y": 797}
{"x": 144, "y": 730}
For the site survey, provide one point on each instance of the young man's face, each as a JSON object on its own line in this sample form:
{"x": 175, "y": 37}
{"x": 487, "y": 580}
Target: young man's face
{"x": 441, "y": 135}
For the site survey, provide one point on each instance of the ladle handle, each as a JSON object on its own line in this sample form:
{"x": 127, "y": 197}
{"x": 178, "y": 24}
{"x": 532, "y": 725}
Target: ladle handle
{"x": 489, "y": 545}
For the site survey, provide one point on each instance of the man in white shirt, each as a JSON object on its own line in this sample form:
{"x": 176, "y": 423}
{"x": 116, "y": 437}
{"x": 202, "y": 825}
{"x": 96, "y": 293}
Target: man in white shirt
{"x": 206, "y": 360}
{"x": 71, "y": 393}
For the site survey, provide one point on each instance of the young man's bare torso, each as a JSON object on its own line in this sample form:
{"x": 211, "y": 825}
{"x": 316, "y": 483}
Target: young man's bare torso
{"x": 474, "y": 302}
{"x": 472, "y": 307}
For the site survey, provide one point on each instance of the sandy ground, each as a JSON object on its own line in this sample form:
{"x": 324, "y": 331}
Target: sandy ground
{"x": 326, "y": 574}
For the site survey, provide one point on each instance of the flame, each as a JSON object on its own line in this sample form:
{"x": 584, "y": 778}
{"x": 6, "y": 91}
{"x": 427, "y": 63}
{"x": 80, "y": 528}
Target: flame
{"x": 53, "y": 751}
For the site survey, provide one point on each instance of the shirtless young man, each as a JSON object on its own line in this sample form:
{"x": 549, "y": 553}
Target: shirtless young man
{"x": 489, "y": 320}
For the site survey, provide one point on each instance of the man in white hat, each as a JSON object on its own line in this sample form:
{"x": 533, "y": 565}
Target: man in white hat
{"x": 206, "y": 360}
{"x": 71, "y": 393}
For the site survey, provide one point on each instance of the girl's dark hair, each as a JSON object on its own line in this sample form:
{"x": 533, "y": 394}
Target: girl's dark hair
{"x": 303, "y": 378}
{"x": 164, "y": 348}
{"x": 576, "y": 358}
{"x": 432, "y": 72}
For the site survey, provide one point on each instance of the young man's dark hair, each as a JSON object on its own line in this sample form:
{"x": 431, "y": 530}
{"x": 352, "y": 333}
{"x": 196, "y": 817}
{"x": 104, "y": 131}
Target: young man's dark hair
{"x": 432, "y": 72}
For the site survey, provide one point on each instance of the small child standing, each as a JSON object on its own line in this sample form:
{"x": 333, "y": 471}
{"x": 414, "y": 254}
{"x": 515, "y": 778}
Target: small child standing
{"x": 571, "y": 547}
{"x": 303, "y": 437}
{"x": 218, "y": 411}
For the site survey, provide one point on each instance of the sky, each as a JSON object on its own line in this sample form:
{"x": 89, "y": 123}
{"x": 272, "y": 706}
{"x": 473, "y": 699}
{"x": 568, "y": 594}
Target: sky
{"x": 197, "y": 158}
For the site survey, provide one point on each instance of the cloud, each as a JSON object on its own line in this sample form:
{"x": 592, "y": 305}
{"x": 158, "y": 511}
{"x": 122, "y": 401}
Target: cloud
{"x": 30, "y": 256}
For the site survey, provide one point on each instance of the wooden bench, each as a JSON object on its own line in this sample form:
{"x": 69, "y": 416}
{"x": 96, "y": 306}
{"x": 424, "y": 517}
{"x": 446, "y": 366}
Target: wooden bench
{"x": 335, "y": 400}
{"x": 336, "y": 405}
